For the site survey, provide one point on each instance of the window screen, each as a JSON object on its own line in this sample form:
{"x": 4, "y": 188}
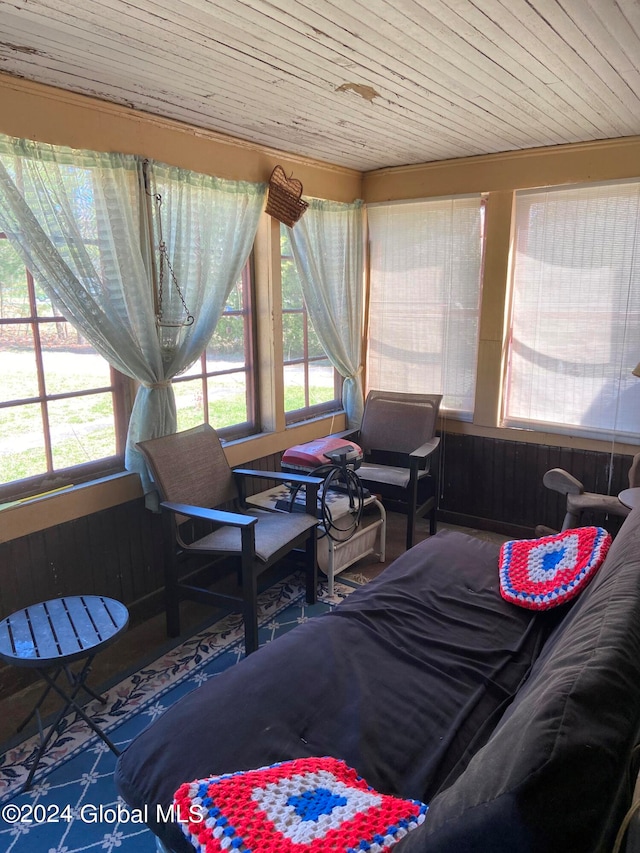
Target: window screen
{"x": 575, "y": 319}
{"x": 425, "y": 287}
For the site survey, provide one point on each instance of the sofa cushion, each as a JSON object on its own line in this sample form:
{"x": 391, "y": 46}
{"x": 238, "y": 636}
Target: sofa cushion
{"x": 300, "y": 806}
{"x": 556, "y": 772}
{"x": 404, "y": 681}
{"x": 549, "y": 571}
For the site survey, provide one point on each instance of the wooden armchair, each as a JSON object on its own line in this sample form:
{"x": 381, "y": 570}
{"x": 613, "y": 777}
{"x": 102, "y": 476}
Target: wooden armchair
{"x": 398, "y": 438}
{"x": 195, "y": 482}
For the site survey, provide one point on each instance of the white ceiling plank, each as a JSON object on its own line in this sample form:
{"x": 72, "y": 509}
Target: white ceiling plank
{"x": 399, "y": 51}
{"x": 511, "y": 24}
{"x": 566, "y": 47}
{"x": 350, "y": 109}
{"x": 421, "y": 79}
{"x": 132, "y": 82}
{"x": 307, "y": 68}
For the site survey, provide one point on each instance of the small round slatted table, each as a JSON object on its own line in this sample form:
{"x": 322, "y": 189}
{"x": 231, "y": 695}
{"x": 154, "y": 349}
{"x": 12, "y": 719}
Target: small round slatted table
{"x": 50, "y": 636}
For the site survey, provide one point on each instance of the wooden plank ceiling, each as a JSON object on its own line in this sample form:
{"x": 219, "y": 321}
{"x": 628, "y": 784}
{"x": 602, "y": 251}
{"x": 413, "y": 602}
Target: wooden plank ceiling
{"x": 361, "y": 83}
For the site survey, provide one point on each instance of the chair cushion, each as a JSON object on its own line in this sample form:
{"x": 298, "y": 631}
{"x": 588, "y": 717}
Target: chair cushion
{"x": 392, "y": 476}
{"x": 545, "y": 572}
{"x": 274, "y": 530}
{"x": 307, "y": 804}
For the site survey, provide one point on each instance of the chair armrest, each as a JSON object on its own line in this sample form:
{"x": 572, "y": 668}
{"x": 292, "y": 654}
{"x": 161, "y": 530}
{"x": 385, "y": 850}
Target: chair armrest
{"x": 345, "y": 433}
{"x": 312, "y": 483}
{"x": 302, "y": 479}
{"x": 220, "y": 516}
{"x": 425, "y": 450}
{"x": 562, "y": 481}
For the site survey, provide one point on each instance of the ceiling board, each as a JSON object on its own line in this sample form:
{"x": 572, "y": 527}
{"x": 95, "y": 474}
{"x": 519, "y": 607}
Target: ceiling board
{"x": 365, "y": 84}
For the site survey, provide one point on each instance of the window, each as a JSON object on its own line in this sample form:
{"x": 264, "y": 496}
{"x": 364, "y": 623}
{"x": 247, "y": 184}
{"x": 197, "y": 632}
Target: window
{"x": 425, "y": 289}
{"x": 575, "y": 314}
{"x": 220, "y": 387}
{"x": 311, "y": 384}
{"x": 61, "y": 405}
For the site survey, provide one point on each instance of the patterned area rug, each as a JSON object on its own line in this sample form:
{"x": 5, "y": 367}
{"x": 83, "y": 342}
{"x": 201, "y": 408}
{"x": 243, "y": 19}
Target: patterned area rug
{"x": 72, "y": 805}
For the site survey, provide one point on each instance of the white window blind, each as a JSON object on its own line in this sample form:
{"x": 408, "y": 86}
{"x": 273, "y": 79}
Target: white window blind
{"x": 425, "y": 280}
{"x": 575, "y": 319}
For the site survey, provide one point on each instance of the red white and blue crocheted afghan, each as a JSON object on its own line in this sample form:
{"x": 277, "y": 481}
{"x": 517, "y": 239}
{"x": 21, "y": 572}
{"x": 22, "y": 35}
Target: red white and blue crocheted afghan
{"x": 543, "y": 573}
{"x": 309, "y": 805}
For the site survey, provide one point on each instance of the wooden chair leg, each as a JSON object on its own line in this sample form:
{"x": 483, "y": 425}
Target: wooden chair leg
{"x": 171, "y": 592}
{"x": 249, "y": 589}
{"x": 433, "y": 522}
{"x": 412, "y": 506}
{"x": 411, "y": 526}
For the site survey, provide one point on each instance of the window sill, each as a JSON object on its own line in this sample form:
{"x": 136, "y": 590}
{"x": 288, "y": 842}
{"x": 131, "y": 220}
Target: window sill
{"x": 244, "y": 450}
{"x": 59, "y": 506}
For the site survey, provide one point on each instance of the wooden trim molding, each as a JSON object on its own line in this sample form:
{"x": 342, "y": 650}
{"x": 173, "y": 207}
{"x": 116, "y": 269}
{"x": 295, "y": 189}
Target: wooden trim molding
{"x": 604, "y": 160}
{"x": 37, "y": 111}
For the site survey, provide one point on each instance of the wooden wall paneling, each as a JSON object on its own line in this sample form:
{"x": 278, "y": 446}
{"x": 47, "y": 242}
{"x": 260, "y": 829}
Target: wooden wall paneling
{"x": 452, "y": 447}
{"x": 113, "y": 552}
{"x": 253, "y": 485}
{"x": 117, "y": 570}
{"x": 481, "y": 461}
{"x": 530, "y": 482}
{"x": 123, "y": 547}
{"x": 473, "y": 488}
{"x": 498, "y": 484}
{"x": 45, "y": 584}
{"x": 58, "y": 562}
{"x": 497, "y": 473}
{"x": 490, "y": 481}
{"x": 84, "y": 544}
{"x": 109, "y": 570}
{"x": 15, "y": 581}
{"x": 143, "y": 530}
{"x": 591, "y": 473}
{"x": 539, "y": 491}
{"x": 150, "y": 538}
{"x": 508, "y": 475}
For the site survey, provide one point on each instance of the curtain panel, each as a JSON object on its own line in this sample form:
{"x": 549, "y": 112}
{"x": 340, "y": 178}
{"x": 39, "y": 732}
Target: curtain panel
{"x": 328, "y": 248}
{"x": 84, "y": 224}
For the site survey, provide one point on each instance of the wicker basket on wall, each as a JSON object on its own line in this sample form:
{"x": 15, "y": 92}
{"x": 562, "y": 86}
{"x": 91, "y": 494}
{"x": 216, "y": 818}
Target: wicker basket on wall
{"x": 284, "y": 202}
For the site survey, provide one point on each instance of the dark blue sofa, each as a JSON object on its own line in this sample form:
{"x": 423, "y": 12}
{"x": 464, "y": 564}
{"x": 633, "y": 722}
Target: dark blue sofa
{"x": 518, "y": 728}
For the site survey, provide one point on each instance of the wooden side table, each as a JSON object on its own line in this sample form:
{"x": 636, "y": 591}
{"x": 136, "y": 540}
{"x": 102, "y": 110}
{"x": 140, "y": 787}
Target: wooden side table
{"x": 48, "y": 637}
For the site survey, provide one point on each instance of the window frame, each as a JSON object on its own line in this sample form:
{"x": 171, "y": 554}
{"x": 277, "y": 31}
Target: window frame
{"x": 252, "y": 425}
{"x": 119, "y": 387}
{"x": 308, "y": 412}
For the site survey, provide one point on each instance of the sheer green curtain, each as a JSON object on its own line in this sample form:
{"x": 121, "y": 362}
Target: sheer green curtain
{"x": 82, "y": 221}
{"x": 328, "y": 249}
{"x": 209, "y": 226}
